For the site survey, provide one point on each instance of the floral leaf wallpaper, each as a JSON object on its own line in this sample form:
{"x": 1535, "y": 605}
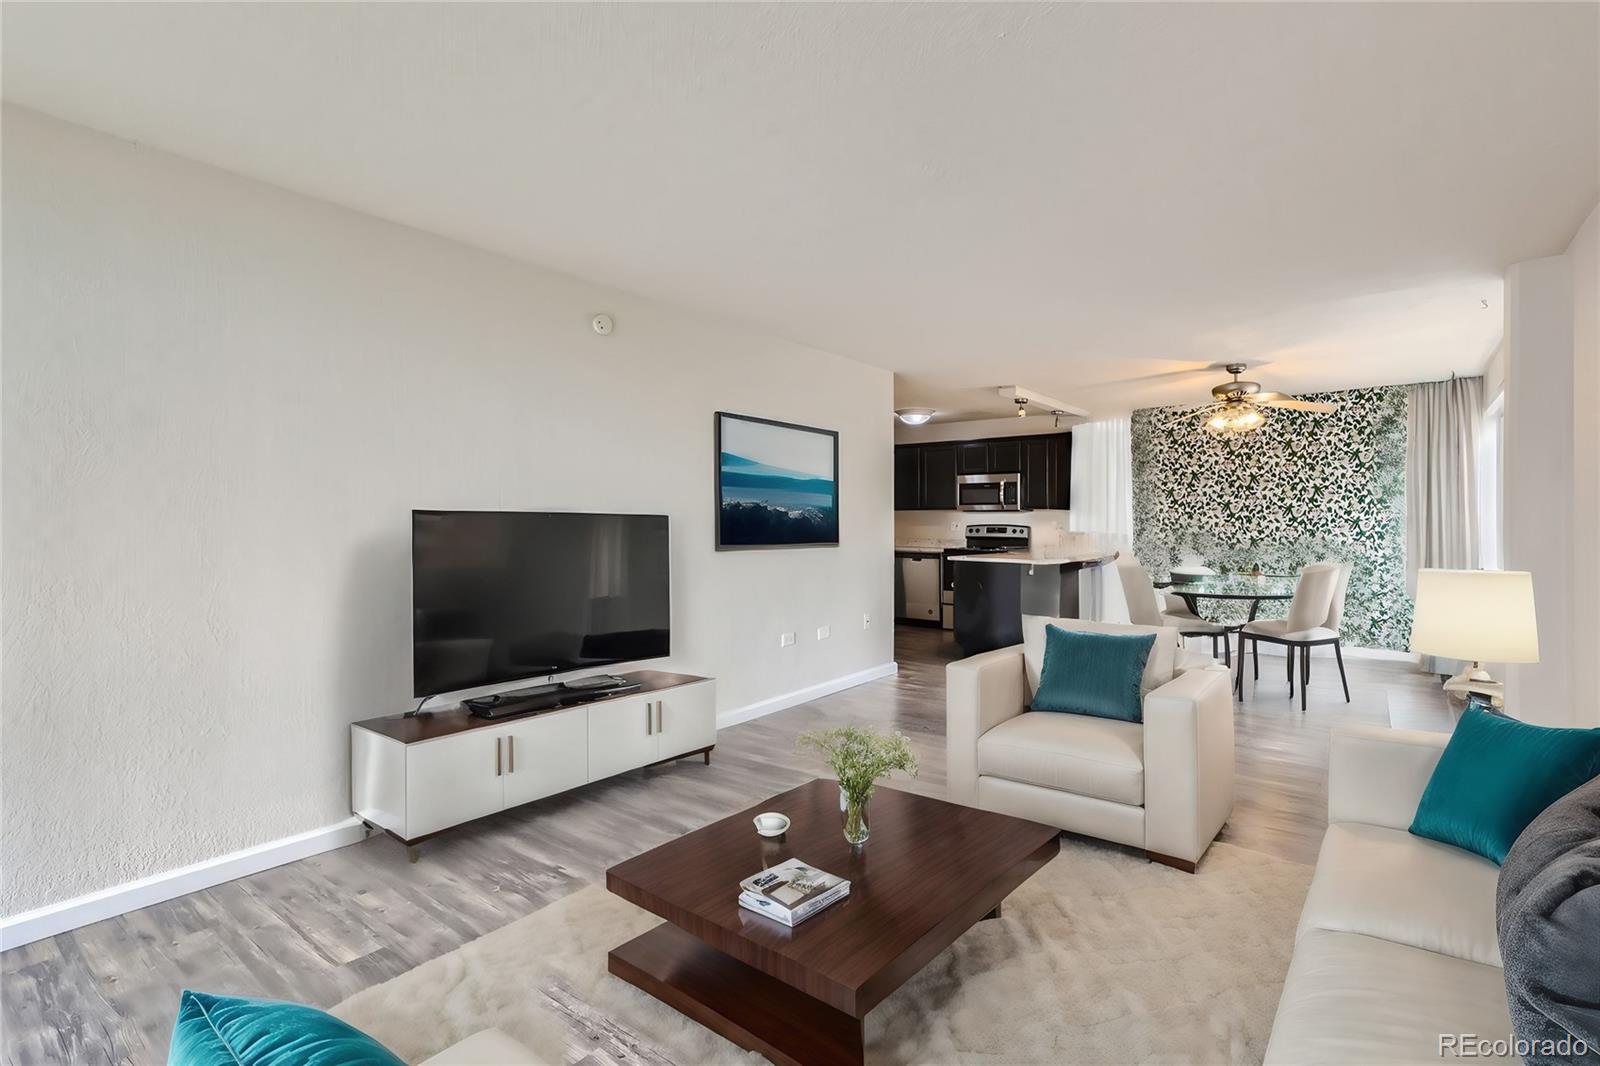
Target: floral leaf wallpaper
{"x": 1302, "y": 488}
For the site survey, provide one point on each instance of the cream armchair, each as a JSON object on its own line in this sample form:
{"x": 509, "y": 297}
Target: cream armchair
{"x": 1164, "y": 785}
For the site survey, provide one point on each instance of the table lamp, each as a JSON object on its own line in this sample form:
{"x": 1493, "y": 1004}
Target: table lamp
{"x": 1478, "y": 616}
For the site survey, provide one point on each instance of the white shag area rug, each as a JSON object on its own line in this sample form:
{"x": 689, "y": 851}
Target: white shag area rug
{"x": 1101, "y": 957}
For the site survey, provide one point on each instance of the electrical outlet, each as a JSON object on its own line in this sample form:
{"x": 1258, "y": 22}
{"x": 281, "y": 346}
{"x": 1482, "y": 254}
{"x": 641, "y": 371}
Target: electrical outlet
{"x": 785, "y": 640}
{"x": 823, "y": 632}
{"x": 955, "y": 527}
{"x": 866, "y": 621}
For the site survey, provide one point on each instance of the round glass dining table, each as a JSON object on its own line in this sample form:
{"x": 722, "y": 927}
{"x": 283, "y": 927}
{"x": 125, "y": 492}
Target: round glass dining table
{"x": 1234, "y": 587}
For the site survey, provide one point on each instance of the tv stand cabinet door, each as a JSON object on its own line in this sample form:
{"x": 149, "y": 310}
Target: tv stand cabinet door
{"x": 453, "y": 780}
{"x": 622, "y": 736}
{"x": 688, "y": 718}
{"x": 546, "y": 754}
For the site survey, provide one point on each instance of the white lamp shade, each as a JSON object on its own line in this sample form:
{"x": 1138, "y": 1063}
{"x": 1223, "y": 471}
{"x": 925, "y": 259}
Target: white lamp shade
{"x": 1477, "y": 615}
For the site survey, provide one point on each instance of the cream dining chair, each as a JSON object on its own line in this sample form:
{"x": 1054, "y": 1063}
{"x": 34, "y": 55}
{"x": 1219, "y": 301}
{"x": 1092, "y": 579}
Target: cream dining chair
{"x": 1313, "y": 621}
{"x": 1145, "y": 609}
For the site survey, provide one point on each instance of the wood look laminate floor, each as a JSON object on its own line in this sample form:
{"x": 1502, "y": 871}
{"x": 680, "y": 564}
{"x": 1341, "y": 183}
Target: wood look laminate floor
{"x": 323, "y": 928}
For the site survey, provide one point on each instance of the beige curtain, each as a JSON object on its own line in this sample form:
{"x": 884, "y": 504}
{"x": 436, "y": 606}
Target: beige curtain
{"x": 1442, "y": 480}
{"x": 1102, "y": 504}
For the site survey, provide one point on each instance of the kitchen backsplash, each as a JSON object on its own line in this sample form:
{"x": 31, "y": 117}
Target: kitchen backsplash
{"x": 919, "y": 529}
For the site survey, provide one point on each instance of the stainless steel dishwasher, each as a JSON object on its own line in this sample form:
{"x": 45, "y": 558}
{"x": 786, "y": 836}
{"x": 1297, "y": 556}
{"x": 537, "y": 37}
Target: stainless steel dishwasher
{"x": 917, "y": 587}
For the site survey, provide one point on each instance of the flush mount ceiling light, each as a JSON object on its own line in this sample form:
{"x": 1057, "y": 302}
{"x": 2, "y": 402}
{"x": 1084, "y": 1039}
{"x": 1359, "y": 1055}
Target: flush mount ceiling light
{"x": 914, "y": 416}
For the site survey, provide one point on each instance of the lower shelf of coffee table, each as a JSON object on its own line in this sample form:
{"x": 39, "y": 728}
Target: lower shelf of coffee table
{"x": 736, "y": 1001}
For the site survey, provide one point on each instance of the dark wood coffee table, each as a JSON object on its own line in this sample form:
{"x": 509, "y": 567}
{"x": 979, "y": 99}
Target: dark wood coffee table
{"x": 930, "y": 871}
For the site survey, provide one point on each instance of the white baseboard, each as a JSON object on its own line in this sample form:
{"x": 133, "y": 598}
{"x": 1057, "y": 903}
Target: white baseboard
{"x": 790, "y": 699}
{"x": 34, "y": 925}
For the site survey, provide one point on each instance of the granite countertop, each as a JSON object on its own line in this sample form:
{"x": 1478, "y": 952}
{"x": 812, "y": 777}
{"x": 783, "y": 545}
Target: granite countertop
{"x": 1041, "y": 556}
{"x": 929, "y": 547}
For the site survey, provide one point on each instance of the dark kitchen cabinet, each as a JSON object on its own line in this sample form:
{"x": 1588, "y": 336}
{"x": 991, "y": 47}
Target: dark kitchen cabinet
{"x": 1036, "y": 473}
{"x": 972, "y": 457}
{"x": 938, "y": 477}
{"x": 1005, "y": 457}
{"x": 1058, "y": 494}
{"x": 925, "y": 474}
{"x": 907, "y": 469}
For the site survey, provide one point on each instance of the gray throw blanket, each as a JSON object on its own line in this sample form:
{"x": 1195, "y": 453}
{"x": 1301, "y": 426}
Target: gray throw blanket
{"x": 1547, "y": 909}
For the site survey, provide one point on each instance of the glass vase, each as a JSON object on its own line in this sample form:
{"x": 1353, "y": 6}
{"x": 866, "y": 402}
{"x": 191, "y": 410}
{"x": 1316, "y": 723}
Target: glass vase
{"x": 854, "y": 814}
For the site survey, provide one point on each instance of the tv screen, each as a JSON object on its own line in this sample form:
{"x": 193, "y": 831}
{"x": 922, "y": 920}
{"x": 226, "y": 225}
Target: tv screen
{"x": 506, "y": 595}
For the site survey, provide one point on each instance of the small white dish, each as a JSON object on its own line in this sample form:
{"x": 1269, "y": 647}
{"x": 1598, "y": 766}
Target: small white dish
{"x": 771, "y": 824}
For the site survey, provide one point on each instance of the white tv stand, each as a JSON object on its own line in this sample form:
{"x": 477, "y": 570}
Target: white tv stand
{"x": 418, "y": 776}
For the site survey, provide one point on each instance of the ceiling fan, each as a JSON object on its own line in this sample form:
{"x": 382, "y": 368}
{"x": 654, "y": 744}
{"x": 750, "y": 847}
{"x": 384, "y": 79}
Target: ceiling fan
{"x": 1236, "y": 405}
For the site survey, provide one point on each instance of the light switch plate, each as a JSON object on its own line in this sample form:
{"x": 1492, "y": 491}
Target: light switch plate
{"x": 823, "y": 632}
{"x": 785, "y": 640}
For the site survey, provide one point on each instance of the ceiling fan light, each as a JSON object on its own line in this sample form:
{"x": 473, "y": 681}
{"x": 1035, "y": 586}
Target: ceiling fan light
{"x": 1235, "y": 419}
{"x": 914, "y": 416}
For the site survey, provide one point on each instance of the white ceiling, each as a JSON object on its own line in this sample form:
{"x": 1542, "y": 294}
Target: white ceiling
{"x": 1076, "y": 198}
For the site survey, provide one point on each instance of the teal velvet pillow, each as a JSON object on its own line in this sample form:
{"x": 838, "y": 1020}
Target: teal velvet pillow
{"x": 1096, "y": 674}
{"x": 233, "y": 1031}
{"x": 1496, "y": 775}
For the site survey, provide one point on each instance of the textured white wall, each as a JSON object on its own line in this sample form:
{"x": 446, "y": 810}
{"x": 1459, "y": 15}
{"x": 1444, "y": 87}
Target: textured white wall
{"x": 1552, "y": 473}
{"x": 220, "y": 402}
{"x": 1538, "y": 477}
{"x": 1583, "y": 254}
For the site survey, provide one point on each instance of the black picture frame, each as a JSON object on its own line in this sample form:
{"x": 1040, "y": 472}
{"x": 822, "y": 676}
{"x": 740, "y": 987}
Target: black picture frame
{"x": 744, "y": 524}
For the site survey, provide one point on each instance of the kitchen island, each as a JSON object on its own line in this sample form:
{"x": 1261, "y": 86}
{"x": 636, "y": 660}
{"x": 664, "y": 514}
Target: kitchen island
{"x": 995, "y": 589}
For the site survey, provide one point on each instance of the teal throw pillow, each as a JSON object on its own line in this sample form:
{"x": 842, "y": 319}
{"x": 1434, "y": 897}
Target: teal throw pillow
{"x": 233, "y": 1031}
{"x": 1498, "y": 774}
{"x": 1096, "y": 674}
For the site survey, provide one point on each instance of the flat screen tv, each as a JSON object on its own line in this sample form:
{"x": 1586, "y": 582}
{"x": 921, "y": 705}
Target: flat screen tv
{"x": 501, "y": 596}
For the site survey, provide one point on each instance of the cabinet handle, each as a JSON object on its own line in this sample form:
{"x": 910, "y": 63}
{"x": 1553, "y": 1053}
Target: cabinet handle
{"x": 658, "y": 716}
{"x": 497, "y": 756}
{"x": 511, "y": 755}
{"x": 649, "y": 722}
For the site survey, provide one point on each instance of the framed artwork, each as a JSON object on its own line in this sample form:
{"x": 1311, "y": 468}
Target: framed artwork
{"x": 777, "y": 484}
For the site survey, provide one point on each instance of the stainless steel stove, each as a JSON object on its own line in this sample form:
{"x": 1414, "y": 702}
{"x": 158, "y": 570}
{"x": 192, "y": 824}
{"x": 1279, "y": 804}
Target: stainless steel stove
{"x": 982, "y": 537}
{"x": 996, "y": 538}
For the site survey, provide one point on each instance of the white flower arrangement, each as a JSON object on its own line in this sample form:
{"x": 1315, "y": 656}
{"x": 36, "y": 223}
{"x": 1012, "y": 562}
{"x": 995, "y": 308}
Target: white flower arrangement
{"x": 859, "y": 756}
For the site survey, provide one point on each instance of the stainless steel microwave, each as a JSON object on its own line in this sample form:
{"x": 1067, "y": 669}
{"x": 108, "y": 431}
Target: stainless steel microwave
{"x": 989, "y": 492}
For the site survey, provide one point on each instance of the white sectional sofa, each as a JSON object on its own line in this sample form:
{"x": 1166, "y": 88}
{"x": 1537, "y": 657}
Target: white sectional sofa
{"x": 1396, "y": 953}
{"x": 1165, "y": 785}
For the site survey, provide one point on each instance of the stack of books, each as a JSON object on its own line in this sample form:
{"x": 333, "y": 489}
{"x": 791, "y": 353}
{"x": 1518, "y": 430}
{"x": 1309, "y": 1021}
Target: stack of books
{"x": 791, "y": 892}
